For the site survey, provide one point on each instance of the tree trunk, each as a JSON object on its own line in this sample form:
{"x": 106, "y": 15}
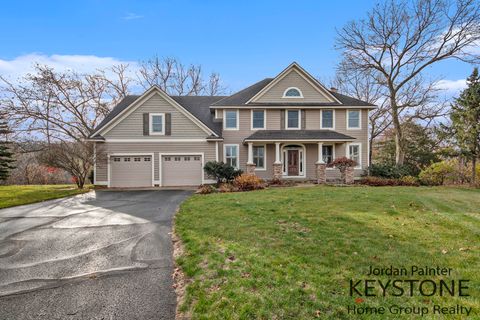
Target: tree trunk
{"x": 370, "y": 143}
{"x": 399, "y": 147}
{"x": 474, "y": 172}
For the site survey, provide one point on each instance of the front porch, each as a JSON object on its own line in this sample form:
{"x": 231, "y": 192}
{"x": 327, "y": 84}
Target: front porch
{"x": 296, "y": 160}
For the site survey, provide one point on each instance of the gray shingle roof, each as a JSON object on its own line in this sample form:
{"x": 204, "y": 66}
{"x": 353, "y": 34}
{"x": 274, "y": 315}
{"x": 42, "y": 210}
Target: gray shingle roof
{"x": 241, "y": 97}
{"x": 298, "y": 135}
{"x": 199, "y": 106}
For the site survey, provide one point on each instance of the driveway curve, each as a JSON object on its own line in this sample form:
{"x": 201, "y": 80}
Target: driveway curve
{"x": 100, "y": 255}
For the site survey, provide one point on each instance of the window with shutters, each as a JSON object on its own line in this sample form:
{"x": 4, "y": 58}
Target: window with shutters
{"x": 157, "y": 124}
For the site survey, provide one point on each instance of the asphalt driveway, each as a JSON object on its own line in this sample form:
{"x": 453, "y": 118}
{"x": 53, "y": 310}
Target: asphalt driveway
{"x": 101, "y": 255}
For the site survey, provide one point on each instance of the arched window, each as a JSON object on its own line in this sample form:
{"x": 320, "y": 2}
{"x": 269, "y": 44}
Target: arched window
{"x": 292, "y": 92}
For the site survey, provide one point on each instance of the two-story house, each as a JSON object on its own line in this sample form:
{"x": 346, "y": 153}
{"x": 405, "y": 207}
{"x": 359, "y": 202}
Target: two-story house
{"x": 287, "y": 127}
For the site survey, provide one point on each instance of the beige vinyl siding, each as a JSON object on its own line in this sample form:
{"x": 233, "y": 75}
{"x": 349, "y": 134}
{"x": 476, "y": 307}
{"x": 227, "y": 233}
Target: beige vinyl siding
{"x": 293, "y": 79}
{"x": 208, "y": 148}
{"x": 273, "y": 119}
{"x": 312, "y": 117}
{"x": 132, "y": 126}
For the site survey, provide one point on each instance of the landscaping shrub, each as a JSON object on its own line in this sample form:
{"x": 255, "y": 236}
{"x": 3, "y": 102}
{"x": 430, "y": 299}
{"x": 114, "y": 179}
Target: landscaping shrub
{"x": 381, "y": 182}
{"x": 281, "y": 183}
{"x": 247, "y": 182}
{"x": 227, "y": 187}
{"x": 446, "y": 172}
{"x": 342, "y": 164}
{"x": 409, "y": 181}
{"x": 206, "y": 189}
{"x": 221, "y": 172}
{"x": 391, "y": 171}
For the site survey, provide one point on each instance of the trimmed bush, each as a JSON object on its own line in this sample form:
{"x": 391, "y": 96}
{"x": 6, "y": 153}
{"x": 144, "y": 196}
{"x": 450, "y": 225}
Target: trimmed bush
{"x": 221, "y": 172}
{"x": 227, "y": 187}
{"x": 247, "y": 182}
{"x": 385, "y": 170}
{"x": 382, "y": 182}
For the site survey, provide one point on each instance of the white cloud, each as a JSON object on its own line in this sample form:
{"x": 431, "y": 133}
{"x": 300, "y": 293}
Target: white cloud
{"x": 451, "y": 86}
{"x": 21, "y": 65}
{"x": 132, "y": 16}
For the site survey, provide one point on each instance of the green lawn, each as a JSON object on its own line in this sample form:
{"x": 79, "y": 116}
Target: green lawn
{"x": 289, "y": 253}
{"x": 17, "y": 195}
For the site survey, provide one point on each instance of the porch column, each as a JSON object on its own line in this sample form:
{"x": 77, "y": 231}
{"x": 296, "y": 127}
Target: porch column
{"x": 250, "y": 164}
{"x": 320, "y": 166}
{"x": 320, "y": 152}
{"x": 277, "y": 165}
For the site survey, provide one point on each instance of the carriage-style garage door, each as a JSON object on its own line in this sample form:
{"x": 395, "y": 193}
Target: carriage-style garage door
{"x": 131, "y": 171}
{"x": 181, "y": 170}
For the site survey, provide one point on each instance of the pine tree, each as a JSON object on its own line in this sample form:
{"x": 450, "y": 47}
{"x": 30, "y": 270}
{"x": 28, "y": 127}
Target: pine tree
{"x": 6, "y": 156}
{"x": 465, "y": 117}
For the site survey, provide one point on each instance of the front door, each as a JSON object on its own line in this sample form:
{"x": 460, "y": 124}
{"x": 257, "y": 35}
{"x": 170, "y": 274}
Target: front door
{"x": 292, "y": 162}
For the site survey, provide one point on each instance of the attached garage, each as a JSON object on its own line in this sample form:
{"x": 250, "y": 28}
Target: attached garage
{"x": 129, "y": 171}
{"x": 181, "y": 170}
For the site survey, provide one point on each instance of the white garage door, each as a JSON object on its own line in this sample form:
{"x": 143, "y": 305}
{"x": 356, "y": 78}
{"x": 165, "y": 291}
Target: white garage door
{"x": 181, "y": 170}
{"x": 131, "y": 171}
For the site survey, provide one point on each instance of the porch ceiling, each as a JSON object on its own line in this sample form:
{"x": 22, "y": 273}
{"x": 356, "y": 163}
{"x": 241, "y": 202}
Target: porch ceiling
{"x": 298, "y": 135}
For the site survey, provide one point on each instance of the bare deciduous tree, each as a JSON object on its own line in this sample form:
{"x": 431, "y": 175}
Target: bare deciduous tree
{"x": 52, "y": 106}
{"x": 364, "y": 85}
{"x": 400, "y": 39}
{"x": 175, "y": 78}
{"x": 74, "y": 157}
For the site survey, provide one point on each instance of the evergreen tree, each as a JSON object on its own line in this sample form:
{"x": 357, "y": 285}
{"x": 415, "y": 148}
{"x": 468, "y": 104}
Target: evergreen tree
{"x": 6, "y": 156}
{"x": 465, "y": 118}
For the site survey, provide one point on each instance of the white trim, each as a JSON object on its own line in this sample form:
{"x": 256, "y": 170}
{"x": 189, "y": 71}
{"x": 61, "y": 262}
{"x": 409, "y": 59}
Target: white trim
{"x": 225, "y": 120}
{"x": 302, "y": 154}
{"x": 264, "y": 119}
{"x": 278, "y": 158}
{"x": 333, "y": 119}
{"x": 292, "y": 97}
{"x": 155, "y": 140}
{"x": 264, "y": 168}
{"x": 117, "y": 154}
{"x": 341, "y": 107}
{"x": 216, "y": 114}
{"x": 150, "y": 124}
{"x": 140, "y": 100}
{"x": 216, "y": 151}
{"x": 297, "y": 141}
{"x": 304, "y": 74}
{"x": 359, "y": 120}
{"x": 225, "y": 153}
{"x": 347, "y": 152}
{"x": 299, "y": 120}
{"x": 160, "y": 156}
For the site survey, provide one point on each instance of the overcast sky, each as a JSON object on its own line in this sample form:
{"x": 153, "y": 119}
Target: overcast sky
{"x": 244, "y": 41}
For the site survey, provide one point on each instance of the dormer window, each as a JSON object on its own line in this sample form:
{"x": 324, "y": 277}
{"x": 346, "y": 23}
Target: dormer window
{"x": 292, "y": 92}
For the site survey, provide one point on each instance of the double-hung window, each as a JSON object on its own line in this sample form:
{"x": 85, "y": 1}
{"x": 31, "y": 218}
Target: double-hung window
{"x": 354, "y": 153}
{"x": 157, "y": 123}
{"x": 230, "y": 120}
{"x": 327, "y": 121}
{"x": 259, "y": 157}
{"x": 327, "y": 152}
{"x": 258, "y": 119}
{"x": 231, "y": 155}
{"x": 353, "y": 119}
{"x": 293, "y": 119}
